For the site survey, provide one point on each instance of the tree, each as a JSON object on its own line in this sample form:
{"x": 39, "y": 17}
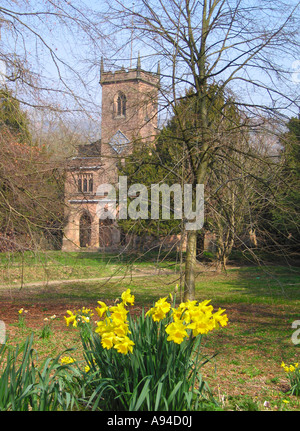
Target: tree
{"x": 12, "y": 117}
{"x": 31, "y": 204}
{"x": 145, "y": 166}
{"x": 220, "y": 42}
{"x": 43, "y": 54}
{"x": 45, "y": 72}
{"x": 284, "y": 219}
{"x": 226, "y": 205}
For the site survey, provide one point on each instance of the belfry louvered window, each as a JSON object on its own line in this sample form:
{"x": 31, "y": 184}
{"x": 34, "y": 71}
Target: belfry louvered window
{"x": 120, "y": 105}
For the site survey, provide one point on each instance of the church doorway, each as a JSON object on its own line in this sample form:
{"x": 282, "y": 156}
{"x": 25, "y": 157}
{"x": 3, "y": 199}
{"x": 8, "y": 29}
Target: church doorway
{"x": 85, "y": 230}
{"x": 105, "y": 232}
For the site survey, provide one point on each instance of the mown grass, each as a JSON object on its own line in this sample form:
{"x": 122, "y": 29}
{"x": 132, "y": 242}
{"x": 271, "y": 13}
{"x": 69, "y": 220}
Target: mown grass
{"x": 28, "y": 267}
{"x": 261, "y": 303}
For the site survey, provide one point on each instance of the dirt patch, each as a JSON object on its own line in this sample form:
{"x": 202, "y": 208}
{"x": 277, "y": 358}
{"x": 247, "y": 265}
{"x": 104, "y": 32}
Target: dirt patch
{"x": 38, "y": 311}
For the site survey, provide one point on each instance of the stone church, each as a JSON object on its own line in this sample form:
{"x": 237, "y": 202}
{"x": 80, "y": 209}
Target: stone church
{"x": 129, "y": 114}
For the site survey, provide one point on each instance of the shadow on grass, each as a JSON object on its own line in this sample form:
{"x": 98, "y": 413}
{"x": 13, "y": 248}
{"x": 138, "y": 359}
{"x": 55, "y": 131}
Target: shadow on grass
{"x": 268, "y": 284}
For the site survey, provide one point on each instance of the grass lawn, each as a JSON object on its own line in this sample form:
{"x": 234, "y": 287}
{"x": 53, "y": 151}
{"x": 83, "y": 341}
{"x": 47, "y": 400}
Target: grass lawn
{"x": 17, "y": 269}
{"x": 261, "y": 304}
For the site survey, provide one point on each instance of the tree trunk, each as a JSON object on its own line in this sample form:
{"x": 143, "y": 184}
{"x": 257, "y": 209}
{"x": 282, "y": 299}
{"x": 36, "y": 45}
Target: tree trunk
{"x": 189, "y": 280}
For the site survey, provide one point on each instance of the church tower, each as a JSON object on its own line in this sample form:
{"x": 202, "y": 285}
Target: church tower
{"x": 129, "y": 105}
{"x": 129, "y": 116}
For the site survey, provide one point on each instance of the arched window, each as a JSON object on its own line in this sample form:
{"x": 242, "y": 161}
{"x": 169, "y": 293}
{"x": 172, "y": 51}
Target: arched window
{"x": 79, "y": 185}
{"x": 120, "y": 105}
{"x": 85, "y": 185}
{"x": 85, "y": 230}
{"x": 105, "y": 232}
{"x": 91, "y": 185}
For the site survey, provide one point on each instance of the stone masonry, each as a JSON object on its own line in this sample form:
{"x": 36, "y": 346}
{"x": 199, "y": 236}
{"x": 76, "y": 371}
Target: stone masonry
{"x": 129, "y": 115}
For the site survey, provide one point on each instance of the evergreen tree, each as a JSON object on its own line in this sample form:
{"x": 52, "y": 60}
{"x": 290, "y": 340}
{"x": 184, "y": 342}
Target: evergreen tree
{"x": 285, "y": 217}
{"x": 13, "y": 118}
{"x": 147, "y": 165}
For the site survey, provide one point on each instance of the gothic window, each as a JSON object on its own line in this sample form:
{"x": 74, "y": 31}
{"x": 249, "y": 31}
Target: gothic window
{"x": 79, "y": 184}
{"x": 84, "y": 185}
{"x": 85, "y": 230}
{"x": 120, "y": 105}
{"x": 105, "y": 232}
{"x": 91, "y": 185}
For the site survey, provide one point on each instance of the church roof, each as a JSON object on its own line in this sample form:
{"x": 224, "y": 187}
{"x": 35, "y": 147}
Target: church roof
{"x": 90, "y": 150}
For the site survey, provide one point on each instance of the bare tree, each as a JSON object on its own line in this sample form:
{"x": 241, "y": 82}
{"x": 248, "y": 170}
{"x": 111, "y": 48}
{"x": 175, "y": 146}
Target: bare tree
{"x": 49, "y": 71}
{"x": 50, "y": 54}
{"x": 234, "y": 44}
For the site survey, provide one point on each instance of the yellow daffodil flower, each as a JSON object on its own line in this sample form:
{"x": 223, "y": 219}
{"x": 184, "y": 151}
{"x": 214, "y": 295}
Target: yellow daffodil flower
{"x": 102, "y": 309}
{"x": 124, "y": 345}
{"x": 107, "y": 341}
{"x": 66, "y": 360}
{"x": 70, "y": 319}
{"x": 127, "y": 297}
{"x": 220, "y": 318}
{"x": 176, "y": 331}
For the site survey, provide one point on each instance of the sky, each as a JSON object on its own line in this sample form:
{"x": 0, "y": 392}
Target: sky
{"x": 61, "y": 62}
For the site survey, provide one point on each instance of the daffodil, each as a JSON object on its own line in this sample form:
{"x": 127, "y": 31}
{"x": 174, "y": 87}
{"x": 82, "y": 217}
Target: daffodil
{"x": 176, "y": 314}
{"x": 220, "y": 318}
{"x": 102, "y": 309}
{"x": 104, "y": 326}
{"x": 107, "y": 340}
{"x": 119, "y": 314}
{"x": 124, "y": 345}
{"x": 70, "y": 319}
{"x": 163, "y": 305}
{"x": 66, "y": 360}
{"x": 86, "y": 311}
{"x": 121, "y": 330}
{"x": 127, "y": 297}
{"x": 85, "y": 319}
{"x": 158, "y": 315}
{"x": 176, "y": 331}
{"x": 160, "y": 310}
{"x": 201, "y": 326}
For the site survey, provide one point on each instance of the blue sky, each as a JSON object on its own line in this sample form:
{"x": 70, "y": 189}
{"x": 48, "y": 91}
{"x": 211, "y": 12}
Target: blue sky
{"x": 66, "y": 64}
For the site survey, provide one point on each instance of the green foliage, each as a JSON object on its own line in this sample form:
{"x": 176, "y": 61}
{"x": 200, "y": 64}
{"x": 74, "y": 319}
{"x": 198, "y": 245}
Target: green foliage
{"x": 242, "y": 403}
{"x": 157, "y": 376}
{"x": 147, "y": 165}
{"x": 25, "y": 386}
{"x": 284, "y": 218}
{"x": 175, "y": 157}
{"x": 13, "y": 118}
{"x": 293, "y": 374}
{"x": 291, "y": 142}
